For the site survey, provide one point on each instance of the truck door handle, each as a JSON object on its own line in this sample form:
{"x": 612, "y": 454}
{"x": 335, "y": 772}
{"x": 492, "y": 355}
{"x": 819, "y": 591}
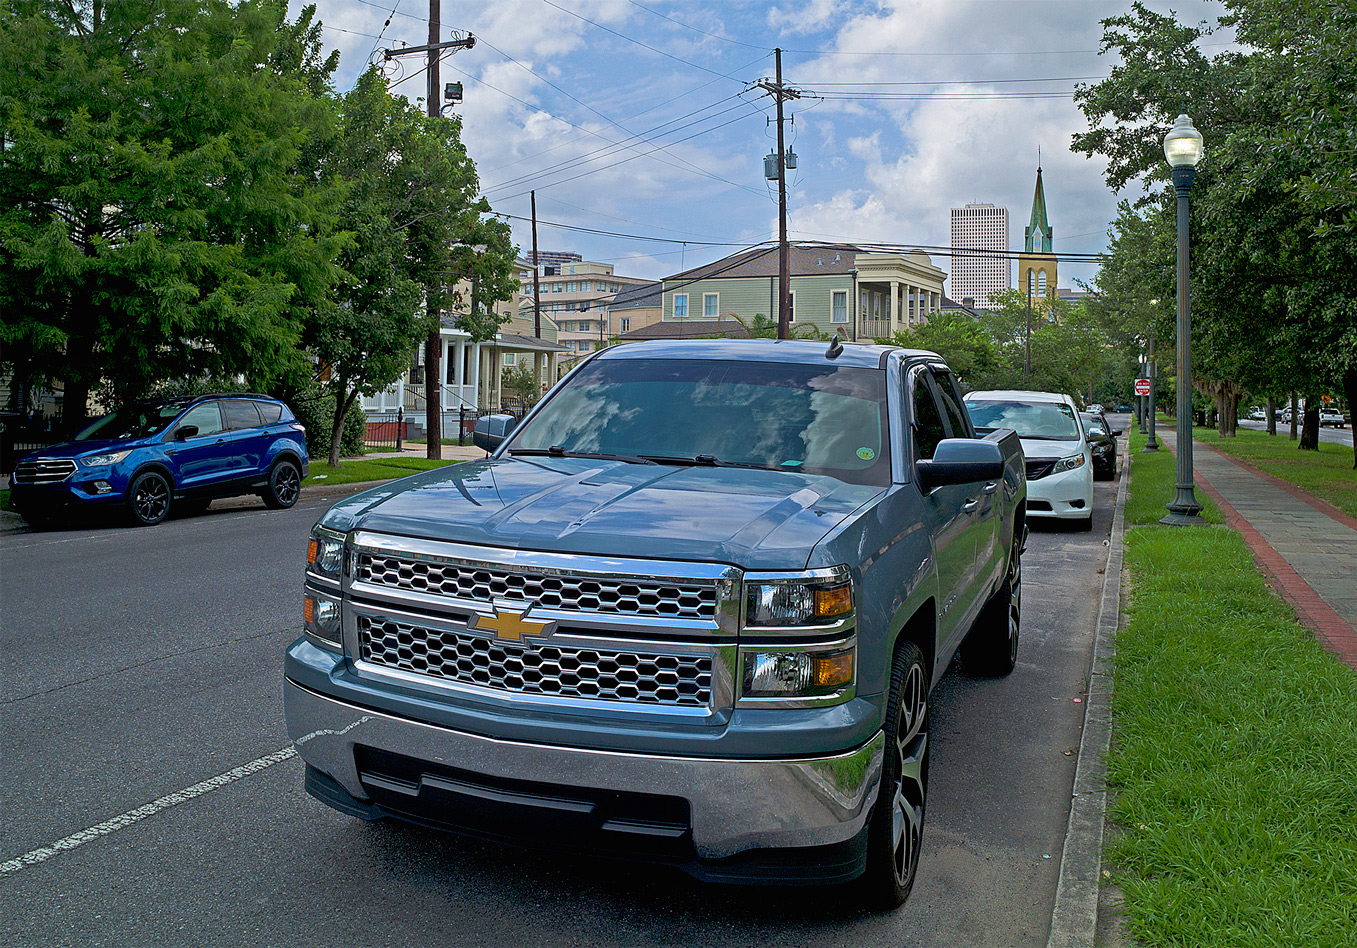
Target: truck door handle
{"x": 991, "y": 487}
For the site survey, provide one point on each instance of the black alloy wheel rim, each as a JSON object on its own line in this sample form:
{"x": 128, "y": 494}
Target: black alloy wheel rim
{"x": 911, "y": 749}
{"x": 286, "y": 485}
{"x": 1014, "y": 608}
{"x": 152, "y": 499}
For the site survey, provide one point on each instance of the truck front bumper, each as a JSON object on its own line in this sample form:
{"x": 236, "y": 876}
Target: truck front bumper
{"x": 732, "y": 818}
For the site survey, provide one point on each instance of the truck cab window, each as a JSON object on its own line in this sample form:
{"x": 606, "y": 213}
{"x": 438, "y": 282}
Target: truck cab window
{"x": 957, "y": 419}
{"x": 928, "y": 430}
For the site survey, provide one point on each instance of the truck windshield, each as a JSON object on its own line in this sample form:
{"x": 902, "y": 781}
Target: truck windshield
{"x": 1041, "y": 421}
{"x": 132, "y": 421}
{"x": 813, "y": 419}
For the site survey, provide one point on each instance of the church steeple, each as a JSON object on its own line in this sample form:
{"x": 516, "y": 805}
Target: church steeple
{"x": 1037, "y": 236}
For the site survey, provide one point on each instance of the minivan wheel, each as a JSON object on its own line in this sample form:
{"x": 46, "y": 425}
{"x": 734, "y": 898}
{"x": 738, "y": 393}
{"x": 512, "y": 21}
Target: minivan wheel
{"x": 285, "y": 484}
{"x": 148, "y": 498}
{"x": 895, "y": 833}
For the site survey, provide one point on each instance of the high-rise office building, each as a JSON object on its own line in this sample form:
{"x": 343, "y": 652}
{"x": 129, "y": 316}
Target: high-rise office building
{"x": 979, "y": 227}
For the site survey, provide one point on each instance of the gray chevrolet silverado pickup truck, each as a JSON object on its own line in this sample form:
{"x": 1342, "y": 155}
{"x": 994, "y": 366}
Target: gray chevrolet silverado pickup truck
{"x": 691, "y": 610}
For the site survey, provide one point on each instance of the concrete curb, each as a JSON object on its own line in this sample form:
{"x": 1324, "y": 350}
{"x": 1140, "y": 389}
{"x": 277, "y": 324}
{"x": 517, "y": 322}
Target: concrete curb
{"x": 1074, "y": 918}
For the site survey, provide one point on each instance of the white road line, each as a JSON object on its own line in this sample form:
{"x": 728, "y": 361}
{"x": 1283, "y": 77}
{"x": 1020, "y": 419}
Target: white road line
{"x": 142, "y": 812}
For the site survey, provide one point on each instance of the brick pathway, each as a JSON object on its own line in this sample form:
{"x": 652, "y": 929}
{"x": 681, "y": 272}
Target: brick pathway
{"x": 1307, "y": 547}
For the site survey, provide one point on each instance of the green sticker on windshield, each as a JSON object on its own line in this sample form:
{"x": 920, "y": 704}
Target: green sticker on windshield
{"x": 866, "y": 453}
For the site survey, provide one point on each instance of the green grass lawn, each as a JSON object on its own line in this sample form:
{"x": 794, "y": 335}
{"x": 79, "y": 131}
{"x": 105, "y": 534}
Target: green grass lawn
{"x": 1233, "y": 763}
{"x": 359, "y": 470}
{"x": 1326, "y": 473}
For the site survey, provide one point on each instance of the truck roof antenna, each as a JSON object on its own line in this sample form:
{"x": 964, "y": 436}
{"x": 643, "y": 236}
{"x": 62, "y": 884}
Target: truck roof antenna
{"x": 835, "y": 348}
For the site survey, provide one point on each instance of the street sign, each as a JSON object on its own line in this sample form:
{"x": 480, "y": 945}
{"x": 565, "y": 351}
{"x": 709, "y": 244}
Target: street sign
{"x": 1142, "y": 386}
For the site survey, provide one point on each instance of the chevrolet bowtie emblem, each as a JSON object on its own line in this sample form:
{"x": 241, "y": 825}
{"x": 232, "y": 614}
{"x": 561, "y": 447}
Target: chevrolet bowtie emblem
{"x": 512, "y": 623}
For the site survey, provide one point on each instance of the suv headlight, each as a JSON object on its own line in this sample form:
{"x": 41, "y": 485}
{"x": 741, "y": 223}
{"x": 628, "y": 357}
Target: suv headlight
{"x": 103, "y": 460}
{"x": 797, "y": 673}
{"x": 325, "y": 553}
{"x": 797, "y": 602}
{"x": 1070, "y": 463}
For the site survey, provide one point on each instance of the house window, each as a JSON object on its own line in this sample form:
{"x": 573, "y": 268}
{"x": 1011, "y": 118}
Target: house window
{"x": 711, "y": 305}
{"x": 838, "y": 306}
{"x": 680, "y": 305}
{"x": 626, "y": 325}
{"x": 510, "y": 358}
{"x": 791, "y": 307}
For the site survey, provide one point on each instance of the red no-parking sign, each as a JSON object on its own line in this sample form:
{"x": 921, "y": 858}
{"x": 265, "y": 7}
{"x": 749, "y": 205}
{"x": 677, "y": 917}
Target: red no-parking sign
{"x": 1142, "y": 386}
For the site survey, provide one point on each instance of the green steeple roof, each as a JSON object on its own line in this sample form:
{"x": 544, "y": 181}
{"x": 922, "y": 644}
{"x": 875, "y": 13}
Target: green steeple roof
{"x": 1037, "y": 236}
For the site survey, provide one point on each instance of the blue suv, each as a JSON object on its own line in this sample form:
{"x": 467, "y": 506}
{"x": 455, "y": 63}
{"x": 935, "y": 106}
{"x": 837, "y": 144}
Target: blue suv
{"x": 150, "y": 457}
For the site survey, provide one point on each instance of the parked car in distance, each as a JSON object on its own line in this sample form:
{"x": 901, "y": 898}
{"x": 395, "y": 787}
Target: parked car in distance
{"x": 1094, "y": 409}
{"x": 175, "y": 454}
{"x": 1123, "y": 409}
{"x": 1331, "y": 417}
{"x": 1102, "y": 439}
{"x": 1257, "y": 413}
{"x": 1059, "y": 458}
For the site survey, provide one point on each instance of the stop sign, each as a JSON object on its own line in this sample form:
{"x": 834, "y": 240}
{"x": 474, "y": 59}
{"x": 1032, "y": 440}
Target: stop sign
{"x": 1142, "y": 386}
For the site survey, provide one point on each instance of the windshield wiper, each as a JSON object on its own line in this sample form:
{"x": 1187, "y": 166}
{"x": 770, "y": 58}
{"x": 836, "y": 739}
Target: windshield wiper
{"x": 556, "y": 451}
{"x": 706, "y": 460}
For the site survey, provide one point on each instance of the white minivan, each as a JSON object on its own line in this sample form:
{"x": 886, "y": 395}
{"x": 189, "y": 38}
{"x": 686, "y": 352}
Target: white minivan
{"x": 1059, "y": 458}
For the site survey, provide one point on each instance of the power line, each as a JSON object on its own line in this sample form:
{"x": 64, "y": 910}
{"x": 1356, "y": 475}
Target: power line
{"x": 637, "y": 42}
{"x": 724, "y": 39}
{"x": 967, "y": 82}
{"x": 609, "y": 233}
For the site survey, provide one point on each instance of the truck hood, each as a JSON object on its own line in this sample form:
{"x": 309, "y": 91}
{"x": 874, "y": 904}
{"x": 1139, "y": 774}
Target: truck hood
{"x": 754, "y": 519}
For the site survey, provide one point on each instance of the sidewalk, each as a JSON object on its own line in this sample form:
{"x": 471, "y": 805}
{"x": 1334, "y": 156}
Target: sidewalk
{"x": 1309, "y": 553}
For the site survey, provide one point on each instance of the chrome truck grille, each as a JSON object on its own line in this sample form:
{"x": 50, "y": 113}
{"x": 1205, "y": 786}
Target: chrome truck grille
{"x": 483, "y": 584}
{"x": 43, "y": 472}
{"x": 538, "y": 668}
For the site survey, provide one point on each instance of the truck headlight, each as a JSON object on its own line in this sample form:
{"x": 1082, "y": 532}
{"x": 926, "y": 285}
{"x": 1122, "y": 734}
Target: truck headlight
{"x": 796, "y": 602}
{"x": 797, "y": 673}
{"x": 103, "y": 460}
{"x": 1069, "y": 464}
{"x": 325, "y": 553}
{"x": 320, "y": 615}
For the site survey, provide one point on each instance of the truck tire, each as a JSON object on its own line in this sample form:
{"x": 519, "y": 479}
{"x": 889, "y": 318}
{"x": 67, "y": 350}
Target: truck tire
{"x": 991, "y": 647}
{"x": 148, "y": 498}
{"x": 895, "y": 828}
{"x": 285, "y": 482}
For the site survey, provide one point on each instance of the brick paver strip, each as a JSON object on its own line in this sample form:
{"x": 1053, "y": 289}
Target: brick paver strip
{"x": 1336, "y": 635}
{"x": 1323, "y": 506}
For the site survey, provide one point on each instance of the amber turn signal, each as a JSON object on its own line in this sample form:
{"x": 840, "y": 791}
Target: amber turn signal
{"x": 833, "y": 601}
{"x": 834, "y": 670}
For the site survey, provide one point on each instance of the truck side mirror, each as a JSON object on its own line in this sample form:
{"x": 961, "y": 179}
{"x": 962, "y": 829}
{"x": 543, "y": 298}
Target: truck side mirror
{"x": 492, "y": 430}
{"x": 961, "y": 461}
{"x": 184, "y": 432}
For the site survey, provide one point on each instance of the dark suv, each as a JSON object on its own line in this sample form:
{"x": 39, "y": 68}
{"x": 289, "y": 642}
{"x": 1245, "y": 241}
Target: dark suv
{"x": 178, "y": 453}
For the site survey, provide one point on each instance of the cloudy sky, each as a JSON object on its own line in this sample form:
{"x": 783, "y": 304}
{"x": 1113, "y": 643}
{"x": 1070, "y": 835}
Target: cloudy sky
{"x": 641, "y": 118}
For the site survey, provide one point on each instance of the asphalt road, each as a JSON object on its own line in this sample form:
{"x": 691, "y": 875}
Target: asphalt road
{"x": 1329, "y": 435}
{"x": 143, "y": 662}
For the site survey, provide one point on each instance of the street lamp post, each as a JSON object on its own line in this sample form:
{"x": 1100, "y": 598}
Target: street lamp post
{"x": 1183, "y": 149}
{"x": 1152, "y": 444}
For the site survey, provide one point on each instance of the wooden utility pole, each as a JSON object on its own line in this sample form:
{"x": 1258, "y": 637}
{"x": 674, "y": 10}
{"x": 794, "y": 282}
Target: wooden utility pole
{"x": 536, "y": 275}
{"x": 780, "y": 93}
{"x": 433, "y": 345}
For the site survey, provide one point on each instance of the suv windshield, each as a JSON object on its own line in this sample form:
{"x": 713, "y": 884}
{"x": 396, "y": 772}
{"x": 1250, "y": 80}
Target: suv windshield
{"x": 132, "y": 421}
{"x": 813, "y": 419}
{"x": 1043, "y": 421}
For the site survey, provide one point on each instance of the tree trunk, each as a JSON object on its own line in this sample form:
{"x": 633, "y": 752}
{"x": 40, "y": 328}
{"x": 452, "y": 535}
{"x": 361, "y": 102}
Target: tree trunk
{"x": 1295, "y": 411}
{"x": 1229, "y": 417}
{"x": 1272, "y": 416}
{"x": 344, "y": 400}
{"x": 1350, "y": 395}
{"x": 1309, "y": 435}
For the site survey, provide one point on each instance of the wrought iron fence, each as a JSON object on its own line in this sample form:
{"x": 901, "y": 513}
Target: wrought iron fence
{"x": 19, "y": 436}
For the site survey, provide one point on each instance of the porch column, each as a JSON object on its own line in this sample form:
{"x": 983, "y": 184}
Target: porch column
{"x": 476, "y": 373}
{"x": 461, "y": 372}
{"x": 442, "y": 401}
{"x": 895, "y": 306}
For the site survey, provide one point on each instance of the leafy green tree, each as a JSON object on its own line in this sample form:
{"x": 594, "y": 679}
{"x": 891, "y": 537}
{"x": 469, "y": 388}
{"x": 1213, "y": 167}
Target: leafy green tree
{"x": 1274, "y": 267}
{"x": 961, "y": 341}
{"x": 155, "y": 220}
